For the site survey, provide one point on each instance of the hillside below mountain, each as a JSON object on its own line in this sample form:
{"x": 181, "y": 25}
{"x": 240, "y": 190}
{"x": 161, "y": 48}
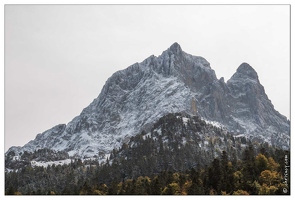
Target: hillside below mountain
{"x": 182, "y": 154}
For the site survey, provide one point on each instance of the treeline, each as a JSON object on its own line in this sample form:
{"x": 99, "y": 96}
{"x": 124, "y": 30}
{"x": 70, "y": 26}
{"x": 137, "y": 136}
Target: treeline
{"x": 253, "y": 175}
{"x": 260, "y": 174}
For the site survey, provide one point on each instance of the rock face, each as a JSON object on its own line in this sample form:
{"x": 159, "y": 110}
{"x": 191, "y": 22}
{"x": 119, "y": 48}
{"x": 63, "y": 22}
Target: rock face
{"x": 134, "y": 98}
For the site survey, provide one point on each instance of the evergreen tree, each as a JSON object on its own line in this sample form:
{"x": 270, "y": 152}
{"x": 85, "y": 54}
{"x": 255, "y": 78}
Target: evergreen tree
{"x": 156, "y": 188}
{"x": 196, "y": 185}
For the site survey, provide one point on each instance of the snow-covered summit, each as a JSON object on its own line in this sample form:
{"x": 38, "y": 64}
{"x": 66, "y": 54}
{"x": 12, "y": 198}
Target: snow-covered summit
{"x": 134, "y": 98}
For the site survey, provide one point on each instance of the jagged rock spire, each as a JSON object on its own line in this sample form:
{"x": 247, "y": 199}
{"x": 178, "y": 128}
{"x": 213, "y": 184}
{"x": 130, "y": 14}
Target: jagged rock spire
{"x": 246, "y": 69}
{"x": 175, "y": 48}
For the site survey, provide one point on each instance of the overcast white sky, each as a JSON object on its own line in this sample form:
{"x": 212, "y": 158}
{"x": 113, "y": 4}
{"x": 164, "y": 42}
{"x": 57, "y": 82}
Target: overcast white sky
{"x": 58, "y": 57}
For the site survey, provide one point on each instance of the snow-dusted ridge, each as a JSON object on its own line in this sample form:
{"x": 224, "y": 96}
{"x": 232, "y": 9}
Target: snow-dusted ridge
{"x": 134, "y": 98}
{"x": 50, "y": 163}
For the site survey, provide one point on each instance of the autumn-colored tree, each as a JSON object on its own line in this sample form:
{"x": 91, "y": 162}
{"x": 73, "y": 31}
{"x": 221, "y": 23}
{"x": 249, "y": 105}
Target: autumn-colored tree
{"x": 103, "y": 188}
{"x": 238, "y": 180}
{"x": 240, "y": 192}
{"x": 272, "y": 165}
{"x": 269, "y": 177}
{"x": 261, "y": 163}
{"x": 142, "y": 185}
{"x": 269, "y": 181}
{"x": 172, "y": 189}
{"x": 52, "y": 193}
{"x": 265, "y": 189}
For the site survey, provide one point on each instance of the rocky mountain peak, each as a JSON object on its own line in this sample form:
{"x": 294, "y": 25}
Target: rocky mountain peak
{"x": 246, "y": 71}
{"x": 134, "y": 98}
{"x": 175, "y": 48}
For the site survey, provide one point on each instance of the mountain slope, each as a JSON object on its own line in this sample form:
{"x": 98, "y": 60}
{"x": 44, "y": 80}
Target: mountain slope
{"x": 134, "y": 98}
{"x": 177, "y": 143}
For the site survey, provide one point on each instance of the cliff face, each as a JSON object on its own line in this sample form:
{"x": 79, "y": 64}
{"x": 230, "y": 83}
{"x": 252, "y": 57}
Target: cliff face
{"x": 134, "y": 98}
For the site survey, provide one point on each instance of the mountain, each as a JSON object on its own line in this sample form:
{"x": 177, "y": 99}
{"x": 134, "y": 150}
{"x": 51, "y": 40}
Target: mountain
{"x": 133, "y": 99}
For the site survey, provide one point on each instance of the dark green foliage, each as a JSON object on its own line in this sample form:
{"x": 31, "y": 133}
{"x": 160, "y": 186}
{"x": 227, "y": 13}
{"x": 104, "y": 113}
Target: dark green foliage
{"x": 218, "y": 178}
{"x": 174, "y": 158}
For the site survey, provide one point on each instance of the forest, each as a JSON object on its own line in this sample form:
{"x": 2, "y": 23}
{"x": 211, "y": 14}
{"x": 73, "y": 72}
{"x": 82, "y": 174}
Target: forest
{"x": 175, "y": 158}
{"x": 261, "y": 174}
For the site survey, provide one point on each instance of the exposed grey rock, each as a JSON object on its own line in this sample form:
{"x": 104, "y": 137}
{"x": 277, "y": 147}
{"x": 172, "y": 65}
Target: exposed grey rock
{"x": 134, "y": 98}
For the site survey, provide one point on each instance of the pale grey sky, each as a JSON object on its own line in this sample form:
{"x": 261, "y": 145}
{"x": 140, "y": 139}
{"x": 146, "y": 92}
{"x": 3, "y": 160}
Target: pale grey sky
{"x": 58, "y": 57}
